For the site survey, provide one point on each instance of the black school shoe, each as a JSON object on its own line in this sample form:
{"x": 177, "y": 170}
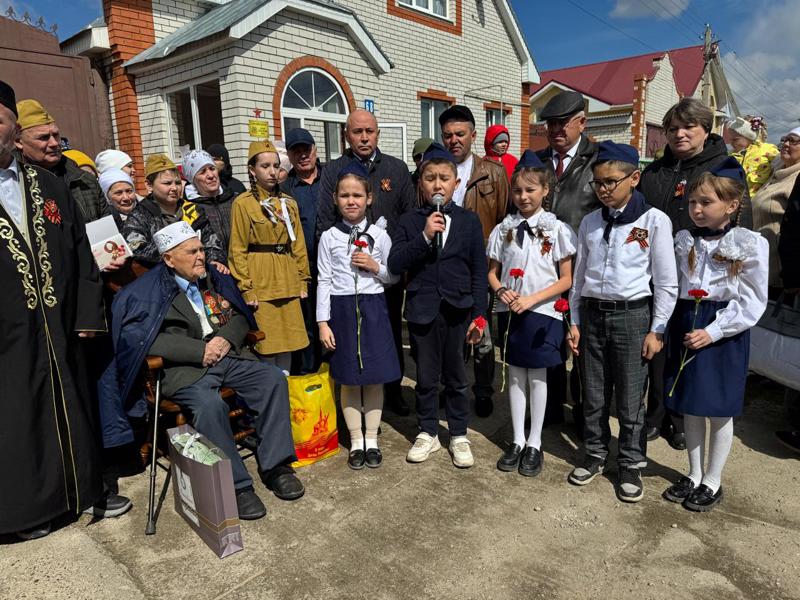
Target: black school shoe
{"x": 374, "y": 458}
{"x": 530, "y": 465}
{"x": 584, "y": 473}
{"x": 356, "y": 459}
{"x": 283, "y": 482}
{"x": 510, "y": 459}
{"x": 678, "y": 440}
{"x": 249, "y": 505}
{"x": 680, "y": 490}
{"x": 653, "y": 433}
{"x": 703, "y": 499}
{"x": 629, "y": 485}
{"x": 34, "y": 533}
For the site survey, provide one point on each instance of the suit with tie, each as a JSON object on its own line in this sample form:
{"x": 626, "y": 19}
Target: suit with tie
{"x": 446, "y": 290}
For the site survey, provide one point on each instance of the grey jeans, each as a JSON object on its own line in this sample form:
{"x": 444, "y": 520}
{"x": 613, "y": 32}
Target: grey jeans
{"x": 612, "y": 367}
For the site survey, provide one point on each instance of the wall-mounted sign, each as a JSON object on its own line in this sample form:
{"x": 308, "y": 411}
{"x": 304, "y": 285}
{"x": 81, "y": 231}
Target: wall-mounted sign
{"x": 258, "y": 128}
{"x": 369, "y": 105}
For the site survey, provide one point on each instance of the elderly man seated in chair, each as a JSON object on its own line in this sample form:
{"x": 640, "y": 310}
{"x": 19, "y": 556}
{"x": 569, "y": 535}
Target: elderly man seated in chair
{"x": 193, "y": 316}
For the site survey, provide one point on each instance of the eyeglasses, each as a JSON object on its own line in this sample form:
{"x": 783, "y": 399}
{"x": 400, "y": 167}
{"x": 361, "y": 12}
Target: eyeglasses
{"x": 792, "y": 141}
{"x": 559, "y": 124}
{"x": 608, "y": 184}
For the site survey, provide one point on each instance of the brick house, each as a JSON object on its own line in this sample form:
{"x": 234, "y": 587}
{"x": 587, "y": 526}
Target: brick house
{"x": 628, "y": 97}
{"x": 194, "y": 72}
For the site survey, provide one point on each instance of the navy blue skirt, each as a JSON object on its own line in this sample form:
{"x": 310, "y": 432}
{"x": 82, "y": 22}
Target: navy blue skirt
{"x": 535, "y": 341}
{"x": 712, "y": 384}
{"x": 378, "y": 354}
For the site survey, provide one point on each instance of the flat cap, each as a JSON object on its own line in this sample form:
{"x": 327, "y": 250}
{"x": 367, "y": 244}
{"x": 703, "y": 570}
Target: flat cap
{"x": 562, "y": 105}
{"x": 31, "y": 113}
{"x": 457, "y": 112}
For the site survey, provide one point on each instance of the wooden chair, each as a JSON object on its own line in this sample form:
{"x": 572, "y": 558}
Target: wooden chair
{"x": 163, "y": 407}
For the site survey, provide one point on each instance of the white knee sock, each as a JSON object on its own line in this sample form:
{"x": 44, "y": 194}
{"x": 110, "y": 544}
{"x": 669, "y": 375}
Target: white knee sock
{"x": 373, "y": 407}
{"x": 518, "y": 400}
{"x": 537, "y": 380}
{"x": 695, "y": 428}
{"x": 351, "y": 409}
{"x": 719, "y": 447}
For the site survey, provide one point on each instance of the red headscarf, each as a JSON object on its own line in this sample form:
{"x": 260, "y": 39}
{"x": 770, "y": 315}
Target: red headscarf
{"x": 507, "y": 160}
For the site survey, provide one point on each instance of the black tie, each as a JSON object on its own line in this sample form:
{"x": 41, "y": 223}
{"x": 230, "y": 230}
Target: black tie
{"x": 522, "y": 229}
{"x": 706, "y": 232}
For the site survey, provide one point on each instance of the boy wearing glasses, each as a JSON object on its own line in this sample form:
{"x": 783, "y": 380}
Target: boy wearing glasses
{"x": 625, "y": 264}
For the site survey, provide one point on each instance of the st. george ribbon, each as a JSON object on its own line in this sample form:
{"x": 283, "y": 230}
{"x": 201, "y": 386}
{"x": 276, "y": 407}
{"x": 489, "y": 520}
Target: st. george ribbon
{"x": 437, "y": 200}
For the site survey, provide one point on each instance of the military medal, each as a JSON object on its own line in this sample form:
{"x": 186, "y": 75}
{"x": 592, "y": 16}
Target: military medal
{"x": 680, "y": 189}
{"x": 386, "y": 185}
{"x": 638, "y": 235}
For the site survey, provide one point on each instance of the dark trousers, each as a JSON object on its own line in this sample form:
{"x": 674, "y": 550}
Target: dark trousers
{"x": 438, "y": 350}
{"x": 484, "y": 363}
{"x": 308, "y": 359}
{"x": 263, "y": 390}
{"x": 394, "y": 304}
{"x": 612, "y": 367}
{"x": 657, "y": 414}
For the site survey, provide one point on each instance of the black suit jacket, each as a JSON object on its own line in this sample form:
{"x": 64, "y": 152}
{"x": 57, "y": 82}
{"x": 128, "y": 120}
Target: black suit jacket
{"x": 457, "y": 275}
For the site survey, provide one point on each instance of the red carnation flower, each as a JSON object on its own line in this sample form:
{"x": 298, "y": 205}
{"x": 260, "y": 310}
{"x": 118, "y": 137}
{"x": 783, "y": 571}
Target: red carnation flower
{"x": 360, "y": 243}
{"x": 697, "y": 294}
{"x": 562, "y": 305}
{"x": 480, "y": 323}
{"x": 516, "y": 273}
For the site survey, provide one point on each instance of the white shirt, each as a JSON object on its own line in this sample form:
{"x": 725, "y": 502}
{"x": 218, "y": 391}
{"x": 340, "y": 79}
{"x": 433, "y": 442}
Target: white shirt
{"x": 445, "y": 233}
{"x": 623, "y": 268}
{"x": 538, "y": 257}
{"x": 567, "y": 157}
{"x": 745, "y": 293}
{"x": 464, "y": 173}
{"x": 336, "y": 274}
{"x": 11, "y": 193}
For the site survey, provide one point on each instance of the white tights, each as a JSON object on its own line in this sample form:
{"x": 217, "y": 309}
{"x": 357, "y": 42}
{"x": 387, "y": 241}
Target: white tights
{"x": 718, "y": 448}
{"x": 351, "y": 408}
{"x": 520, "y": 380}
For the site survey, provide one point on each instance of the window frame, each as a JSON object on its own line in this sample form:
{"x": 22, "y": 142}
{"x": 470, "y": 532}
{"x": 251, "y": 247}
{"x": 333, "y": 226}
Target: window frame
{"x": 190, "y": 85}
{"x": 412, "y": 5}
{"x": 435, "y": 132}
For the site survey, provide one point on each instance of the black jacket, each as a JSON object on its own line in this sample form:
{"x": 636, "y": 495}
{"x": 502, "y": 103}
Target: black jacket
{"x": 572, "y": 198}
{"x": 664, "y": 181}
{"x": 457, "y": 276}
{"x": 84, "y": 189}
{"x": 393, "y": 194}
{"x": 218, "y": 212}
{"x": 789, "y": 240}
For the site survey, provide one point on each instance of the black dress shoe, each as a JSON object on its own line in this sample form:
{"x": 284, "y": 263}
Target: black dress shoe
{"x": 34, "y": 533}
{"x": 678, "y": 441}
{"x": 110, "y": 505}
{"x": 356, "y": 460}
{"x": 790, "y": 439}
{"x": 653, "y": 433}
{"x": 374, "y": 458}
{"x": 510, "y": 459}
{"x": 703, "y": 499}
{"x": 483, "y": 406}
{"x": 285, "y": 485}
{"x": 530, "y": 465}
{"x": 249, "y": 505}
{"x": 680, "y": 490}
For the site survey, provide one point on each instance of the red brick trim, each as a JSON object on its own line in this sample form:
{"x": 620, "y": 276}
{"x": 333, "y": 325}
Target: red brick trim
{"x": 496, "y": 106}
{"x": 436, "y": 95}
{"x": 304, "y": 62}
{"x": 638, "y": 127}
{"x": 525, "y": 118}
{"x": 404, "y": 12}
{"x": 130, "y": 31}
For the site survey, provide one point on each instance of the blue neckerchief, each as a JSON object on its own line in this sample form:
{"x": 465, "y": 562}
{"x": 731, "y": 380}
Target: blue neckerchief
{"x": 355, "y": 233}
{"x": 706, "y": 232}
{"x": 632, "y": 211}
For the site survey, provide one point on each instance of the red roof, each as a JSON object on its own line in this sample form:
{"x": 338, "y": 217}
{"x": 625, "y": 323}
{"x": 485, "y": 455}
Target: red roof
{"x": 612, "y": 81}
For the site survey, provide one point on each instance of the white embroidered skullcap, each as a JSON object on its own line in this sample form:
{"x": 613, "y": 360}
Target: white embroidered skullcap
{"x": 111, "y": 176}
{"x": 194, "y": 161}
{"x": 174, "y": 234}
{"x": 111, "y": 159}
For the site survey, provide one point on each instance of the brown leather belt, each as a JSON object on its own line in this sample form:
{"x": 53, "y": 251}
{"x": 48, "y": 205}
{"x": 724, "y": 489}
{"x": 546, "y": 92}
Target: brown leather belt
{"x": 271, "y": 248}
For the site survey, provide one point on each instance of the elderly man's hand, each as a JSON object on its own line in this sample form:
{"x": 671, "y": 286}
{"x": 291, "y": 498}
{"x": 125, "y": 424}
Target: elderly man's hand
{"x": 216, "y": 349}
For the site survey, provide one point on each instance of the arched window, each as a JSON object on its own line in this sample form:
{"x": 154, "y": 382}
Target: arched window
{"x": 312, "y": 99}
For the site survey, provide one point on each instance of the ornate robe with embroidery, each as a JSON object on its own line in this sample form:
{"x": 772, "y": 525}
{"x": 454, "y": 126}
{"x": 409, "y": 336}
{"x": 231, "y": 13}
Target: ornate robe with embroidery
{"x": 51, "y": 290}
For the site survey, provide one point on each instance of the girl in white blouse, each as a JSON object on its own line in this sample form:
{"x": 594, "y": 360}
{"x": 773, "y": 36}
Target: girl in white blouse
{"x": 530, "y": 266}
{"x": 722, "y": 270}
{"x": 352, "y": 315}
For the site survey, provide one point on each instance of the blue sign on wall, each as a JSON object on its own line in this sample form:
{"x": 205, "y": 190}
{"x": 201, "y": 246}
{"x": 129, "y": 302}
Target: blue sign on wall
{"x": 369, "y": 105}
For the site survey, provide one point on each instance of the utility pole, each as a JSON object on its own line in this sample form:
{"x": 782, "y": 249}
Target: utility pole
{"x": 708, "y": 55}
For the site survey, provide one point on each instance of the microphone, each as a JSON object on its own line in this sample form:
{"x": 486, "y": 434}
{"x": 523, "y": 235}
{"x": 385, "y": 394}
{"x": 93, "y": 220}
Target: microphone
{"x": 438, "y": 200}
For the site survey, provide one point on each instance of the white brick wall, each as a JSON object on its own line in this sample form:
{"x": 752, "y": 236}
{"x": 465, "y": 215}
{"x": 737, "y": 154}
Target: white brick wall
{"x": 661, "y": 93}
{"x": 247, "y": 70}
{"x": 169, "y": 15}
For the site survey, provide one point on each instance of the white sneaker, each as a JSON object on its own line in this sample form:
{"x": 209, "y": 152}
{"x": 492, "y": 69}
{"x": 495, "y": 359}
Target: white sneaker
{"x": 422, "y": 448}
{"x": 462, "y": 455}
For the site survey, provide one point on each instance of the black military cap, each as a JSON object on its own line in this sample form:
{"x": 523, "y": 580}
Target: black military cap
{"x": 563, "y": 104}
{"x": 8, "y": 97}
{"x": 457, "y": 112}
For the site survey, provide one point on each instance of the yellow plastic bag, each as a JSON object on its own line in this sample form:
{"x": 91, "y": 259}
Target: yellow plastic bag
{"x": 313, "y": 413}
